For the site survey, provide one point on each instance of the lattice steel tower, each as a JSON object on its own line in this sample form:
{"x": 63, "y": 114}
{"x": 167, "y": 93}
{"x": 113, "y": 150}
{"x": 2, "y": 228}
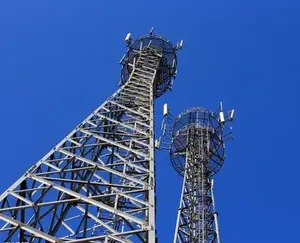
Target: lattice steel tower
{"x": 98, "y": 183}
{"x": 197, "y": 153}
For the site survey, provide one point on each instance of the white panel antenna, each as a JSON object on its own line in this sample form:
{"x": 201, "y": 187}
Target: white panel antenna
{"x": 231, "y": 115}
{"x": 166, "y": 110}
{"x": 128, "y": 38}
{"x": 221, "y": 117}
{"x": 180, "y": 45}
{"x": 157, "y": 143}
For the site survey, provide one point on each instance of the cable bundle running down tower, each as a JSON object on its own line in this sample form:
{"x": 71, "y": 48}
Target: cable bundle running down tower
{"x": 197, "y": 153}
{"x": 98, "y": 183}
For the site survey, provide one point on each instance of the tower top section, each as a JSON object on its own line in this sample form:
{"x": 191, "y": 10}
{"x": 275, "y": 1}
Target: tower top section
{"x": 152, "y": 45}
{"x": 193, "y": 128}
{"x": 198, "y": 124}
{"x": 197, "y": 117}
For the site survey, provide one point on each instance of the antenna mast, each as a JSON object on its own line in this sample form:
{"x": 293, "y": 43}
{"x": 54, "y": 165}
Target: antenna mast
{"x": 197, "y": 152}
{"x": 98, "y": 183}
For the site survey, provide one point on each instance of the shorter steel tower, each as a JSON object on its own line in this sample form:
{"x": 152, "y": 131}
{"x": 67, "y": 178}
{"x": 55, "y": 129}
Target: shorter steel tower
{"x": 197, "y": 152}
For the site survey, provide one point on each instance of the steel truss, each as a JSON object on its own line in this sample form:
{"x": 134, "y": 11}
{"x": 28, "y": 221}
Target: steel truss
{"x": 196, "y": 142}
{"x": 98, "y": 183}
{"x": 196, "y": 215}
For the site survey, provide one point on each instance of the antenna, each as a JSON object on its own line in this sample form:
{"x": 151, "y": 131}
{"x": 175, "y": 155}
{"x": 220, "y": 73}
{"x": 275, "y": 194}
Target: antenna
{"x": 180, "y": 45}
{"x": 231, "y": 115}
{"x": 221, "y": 117}
{"x": 128, "y": 39}
{"x": 221, "y": 106}
{"x": 151, "y": 31}
{"x": 157, "y": 143}
{"x": 197, "y": 156}
{"x": 122, "y": 59}
{"x": 166, "y": 110}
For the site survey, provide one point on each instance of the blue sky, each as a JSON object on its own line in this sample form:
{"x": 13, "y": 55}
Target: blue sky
{"x": 59, "y": 61}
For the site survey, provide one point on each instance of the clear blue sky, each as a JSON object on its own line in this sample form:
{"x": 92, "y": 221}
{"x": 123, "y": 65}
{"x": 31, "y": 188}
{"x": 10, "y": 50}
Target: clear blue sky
{"x": 59, "y": 61}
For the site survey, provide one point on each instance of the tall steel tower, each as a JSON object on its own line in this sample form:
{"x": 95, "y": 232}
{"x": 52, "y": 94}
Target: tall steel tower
{"x": 197, "y": 153}
{"x": 98, "y": 183}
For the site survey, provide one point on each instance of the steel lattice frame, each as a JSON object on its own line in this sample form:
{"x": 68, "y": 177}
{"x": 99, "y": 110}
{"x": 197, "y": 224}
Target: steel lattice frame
{"x": 98, "y": 184}
{"x": 197, "y": 153}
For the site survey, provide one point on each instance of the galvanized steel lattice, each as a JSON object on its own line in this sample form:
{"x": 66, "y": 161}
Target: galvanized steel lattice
{"x": 98, "y": 184}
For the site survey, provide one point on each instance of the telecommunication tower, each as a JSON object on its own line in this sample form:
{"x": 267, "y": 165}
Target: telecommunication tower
{"x": 98, "y": 183}
{"x": 197, "y": 151}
